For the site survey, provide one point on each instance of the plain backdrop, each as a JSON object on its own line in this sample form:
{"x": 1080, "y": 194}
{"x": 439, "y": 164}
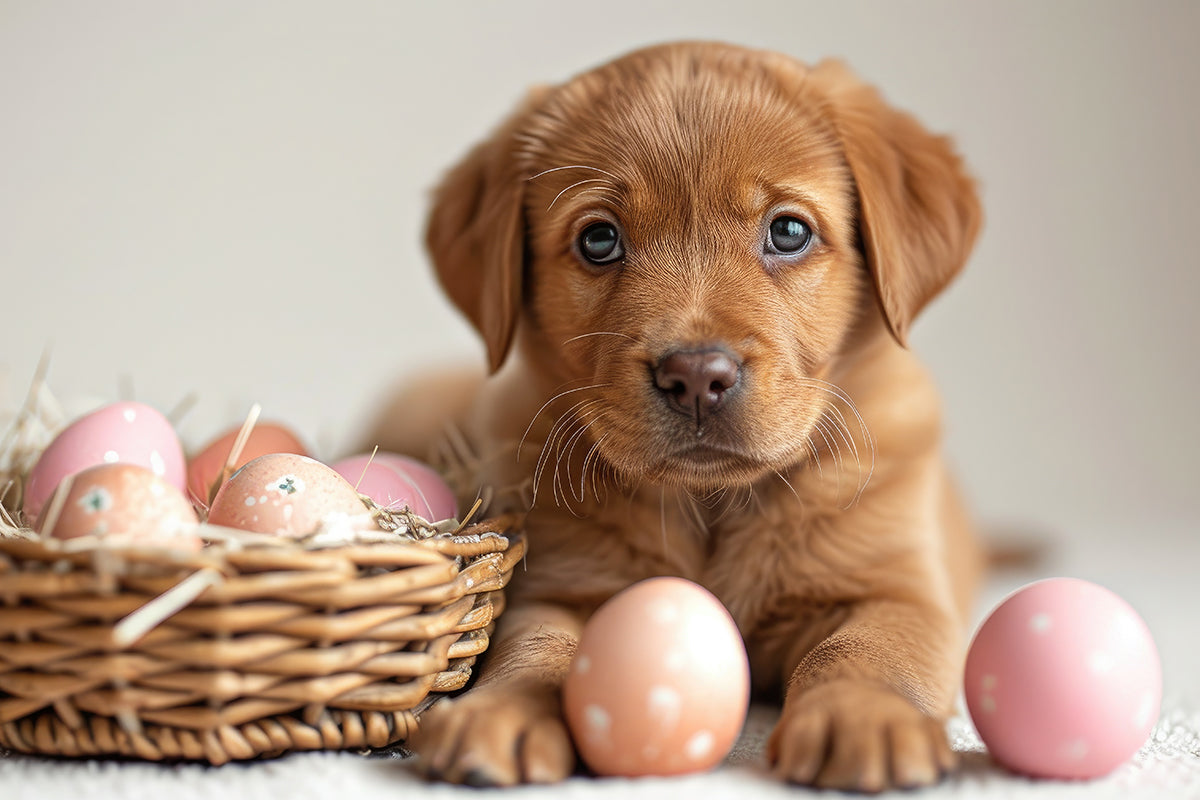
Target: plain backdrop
{"x": 227, "y": 198}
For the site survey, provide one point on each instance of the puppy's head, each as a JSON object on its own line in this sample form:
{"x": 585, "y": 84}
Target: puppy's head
{"x": 691, "y": 237}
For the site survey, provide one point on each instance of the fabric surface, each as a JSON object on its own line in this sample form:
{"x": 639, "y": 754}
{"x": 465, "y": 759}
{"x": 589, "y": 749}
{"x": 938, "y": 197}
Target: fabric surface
{"x": 1157, "y": 575}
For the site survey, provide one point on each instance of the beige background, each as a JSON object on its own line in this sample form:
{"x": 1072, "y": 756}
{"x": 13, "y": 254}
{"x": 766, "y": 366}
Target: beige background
{"x": 226, "y": 198}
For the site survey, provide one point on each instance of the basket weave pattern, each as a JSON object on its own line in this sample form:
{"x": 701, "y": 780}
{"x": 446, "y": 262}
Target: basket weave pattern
{"x": 239, "y": 652}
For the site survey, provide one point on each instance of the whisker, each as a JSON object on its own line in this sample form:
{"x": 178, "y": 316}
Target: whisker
{"x": 749, "y": 498}
{"x": 562, "y": 438}
{"x": 601, "y": 333}
{"x": 729, "y": 505}
{"x": 844, "y": 431}
{"x": 573, "y": 166}
{"x": 788, "y": 484}
{"x": 852, "y": 441}
{"x": 757, "y": 500}
{"x": 840, "y": 394}
{"x": 839, "y": 421}
{"x": 588, "y": 458}
{"x": 715, "y": 499}
{"x": 816, "y": 454}
{"x": 548, "y": 447}
{"x": 687, "y": 504}
{"x": 547, "y": 404}
{"x": 842, "y": 434}
{"x": 544, "y": 454}
{"x": 589, "y": 462}
{"x": 746, "y": 499}
{"x": 599, "y": 479}
{"x": 831, "y": 442}
{"x": 830, "y": 447}
{"x": 572, "y": 186}
{"x": 556, "y": 475}
{"x": 603, "y": 191}
{"x": 570, "y": 450}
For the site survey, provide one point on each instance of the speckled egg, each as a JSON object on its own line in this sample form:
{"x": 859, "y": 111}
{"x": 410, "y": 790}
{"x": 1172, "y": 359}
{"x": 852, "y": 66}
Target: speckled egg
{"x": 126, "y": 433}
{"x": 265, "y": 438}
{"x": 1063, "y": 680}
{"x": 288, "y": 495}
{"x": 124, "y": 504}
{"x": 660, "y": 683}
{"x": 394, "y": 481}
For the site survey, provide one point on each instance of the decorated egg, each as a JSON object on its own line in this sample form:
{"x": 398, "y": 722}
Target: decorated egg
{"x": 126, "y": 432}
{"x": 1063, "y": 680}
{"x": 124, "y": 504}
{"x": 394, "y": 481}
{"x": 289, "y": 495}
{"x": 264, "y": 438}
{"x": 660, "y": 683}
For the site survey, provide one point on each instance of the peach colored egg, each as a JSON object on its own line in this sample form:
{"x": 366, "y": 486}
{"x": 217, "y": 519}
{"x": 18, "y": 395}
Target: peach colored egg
{"x": 394, "y": 481}
{"x": 265, "y": 438}
{"x": 125, "y": 504}
{"x": 126, "y": 433}
{"x": 289, "y": 495}
{"x": 1063, "y": 680}
{"x": 660, "y": 682}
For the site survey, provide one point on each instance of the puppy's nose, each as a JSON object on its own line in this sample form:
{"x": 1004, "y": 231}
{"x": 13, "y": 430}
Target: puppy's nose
{"x": 695, "y": 382}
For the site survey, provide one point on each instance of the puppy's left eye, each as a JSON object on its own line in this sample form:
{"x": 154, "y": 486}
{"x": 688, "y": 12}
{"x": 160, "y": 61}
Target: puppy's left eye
{"x": 600, "y": 244}
{"x": 788, "y": 236}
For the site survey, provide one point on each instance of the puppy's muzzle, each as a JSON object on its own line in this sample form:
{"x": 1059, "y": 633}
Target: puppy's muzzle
{"x": 697, "y": 382}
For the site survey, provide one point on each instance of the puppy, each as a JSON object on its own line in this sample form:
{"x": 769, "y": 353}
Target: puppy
{"x": 694, "y": 269}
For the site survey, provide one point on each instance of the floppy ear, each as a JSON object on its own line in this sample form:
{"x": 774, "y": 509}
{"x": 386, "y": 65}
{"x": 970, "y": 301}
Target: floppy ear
{"x": 918, "y": 209}
{"x": 476, "y": 235}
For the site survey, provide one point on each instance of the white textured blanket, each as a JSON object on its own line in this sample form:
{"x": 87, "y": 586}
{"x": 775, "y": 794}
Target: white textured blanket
{"x": 1168, "y": 767}
{"x": 1161, "y": 585}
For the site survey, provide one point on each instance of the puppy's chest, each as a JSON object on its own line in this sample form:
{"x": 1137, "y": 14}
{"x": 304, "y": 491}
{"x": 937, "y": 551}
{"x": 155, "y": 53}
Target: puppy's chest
{"x": 772, "y": 558}
{"x": 771, "y": 561}
{"x": 770, "y": 570}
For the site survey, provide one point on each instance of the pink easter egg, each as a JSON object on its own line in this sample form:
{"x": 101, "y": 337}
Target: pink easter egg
{"x": 288, "y": 495}
{"x": 125, "y": 433}
{"x": 207, "y": 466}
{"x": 126, "y": 504}
{"x": 1063, "y": 680}
{"x": 660, "y": 682}
{"x": 394, "y": 481}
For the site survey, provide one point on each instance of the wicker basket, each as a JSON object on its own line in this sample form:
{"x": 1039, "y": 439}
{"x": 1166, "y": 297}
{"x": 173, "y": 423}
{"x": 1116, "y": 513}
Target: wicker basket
{"x": 253, "y": 646}
{"x": 239, "y": 652}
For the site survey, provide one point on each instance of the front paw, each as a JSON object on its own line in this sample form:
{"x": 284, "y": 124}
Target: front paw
{"x": 495, "y": 736}
{"x": 858, "y": 737}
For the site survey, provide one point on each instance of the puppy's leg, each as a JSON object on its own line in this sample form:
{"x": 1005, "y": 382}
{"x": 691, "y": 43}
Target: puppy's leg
{"x": 509, "y": 727}
{"x": 865, "y": 708}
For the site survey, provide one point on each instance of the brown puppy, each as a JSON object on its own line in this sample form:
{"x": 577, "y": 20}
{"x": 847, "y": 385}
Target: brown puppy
{"x": 704, "y": 261}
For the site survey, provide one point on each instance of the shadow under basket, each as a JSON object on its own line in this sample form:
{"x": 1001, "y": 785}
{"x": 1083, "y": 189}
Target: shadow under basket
{"x": 232, "y": 653}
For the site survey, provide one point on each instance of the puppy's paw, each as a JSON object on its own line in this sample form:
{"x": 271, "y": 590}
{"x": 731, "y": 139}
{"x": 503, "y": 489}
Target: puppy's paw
{"x": 495, "y": 736}
{"x": 858, "y": 737}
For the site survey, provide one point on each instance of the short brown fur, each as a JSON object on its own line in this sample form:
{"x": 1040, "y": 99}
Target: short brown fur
{"x": 815, "y": 503}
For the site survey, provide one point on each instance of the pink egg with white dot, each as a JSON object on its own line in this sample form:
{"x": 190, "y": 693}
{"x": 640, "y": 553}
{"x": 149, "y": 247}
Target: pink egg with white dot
{"x": 1063, "y": 680}
{"x": 393, "y": 481}
{"x": 660, "y": 682}
{"x": 119, "y": 433}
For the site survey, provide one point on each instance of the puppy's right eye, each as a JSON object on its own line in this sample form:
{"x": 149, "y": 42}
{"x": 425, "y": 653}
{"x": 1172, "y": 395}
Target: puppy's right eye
{"x": 789, "y": 236}
{"x": 600, "y": 244}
